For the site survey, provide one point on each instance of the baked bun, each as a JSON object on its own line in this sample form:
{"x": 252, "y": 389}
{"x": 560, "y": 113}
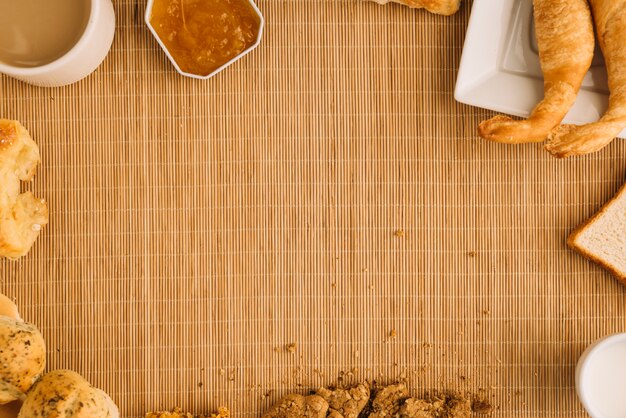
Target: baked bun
{"x": 22, "y": 353}
{"x": 21, "y": 215}
{"x": 65, "y": 394}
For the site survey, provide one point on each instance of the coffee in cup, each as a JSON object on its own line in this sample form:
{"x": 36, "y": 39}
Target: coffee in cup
{"x": 37, "y": 32}
{"x": 54, "y": 42}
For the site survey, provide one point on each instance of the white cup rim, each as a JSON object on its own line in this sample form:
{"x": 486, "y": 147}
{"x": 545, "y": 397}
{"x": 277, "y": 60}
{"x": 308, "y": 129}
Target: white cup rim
{"x": 582, "y": 369}
{"x": 65, "y": 58}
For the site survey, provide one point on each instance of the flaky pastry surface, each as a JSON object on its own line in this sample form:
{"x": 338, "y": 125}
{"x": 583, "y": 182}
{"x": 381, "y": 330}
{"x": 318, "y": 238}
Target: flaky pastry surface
{"x": 21, "y": 215}
{"x": 610, "y": 20}
{"x": 566, "y": 44}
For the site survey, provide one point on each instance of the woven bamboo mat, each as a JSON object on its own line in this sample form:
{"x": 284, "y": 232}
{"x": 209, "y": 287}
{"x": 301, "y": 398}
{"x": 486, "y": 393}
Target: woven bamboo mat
{"x": 326, "y": 191}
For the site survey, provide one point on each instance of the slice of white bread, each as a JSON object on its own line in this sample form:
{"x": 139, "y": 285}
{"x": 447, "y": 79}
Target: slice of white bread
{"x": 603, "y": 237}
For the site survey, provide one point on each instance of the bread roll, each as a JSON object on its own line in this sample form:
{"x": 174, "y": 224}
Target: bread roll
{"x": 22, "y": 354}
{"x": 65, "y": 394}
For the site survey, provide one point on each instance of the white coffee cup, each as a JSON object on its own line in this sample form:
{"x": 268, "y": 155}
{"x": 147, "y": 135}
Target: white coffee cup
{"x": 601, "y": 377}
{"x": 81, "y": 60}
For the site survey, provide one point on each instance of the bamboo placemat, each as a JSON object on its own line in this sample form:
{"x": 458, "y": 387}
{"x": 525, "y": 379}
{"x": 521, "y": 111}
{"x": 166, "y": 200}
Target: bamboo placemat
{"x": 324, "y": 191}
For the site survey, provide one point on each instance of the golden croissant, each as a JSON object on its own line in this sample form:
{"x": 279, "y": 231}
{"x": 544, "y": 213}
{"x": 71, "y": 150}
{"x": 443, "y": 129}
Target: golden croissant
{"x": 566, "y": 45}
{"x": 441, "y": 7}
{"x": 610, "y": 19}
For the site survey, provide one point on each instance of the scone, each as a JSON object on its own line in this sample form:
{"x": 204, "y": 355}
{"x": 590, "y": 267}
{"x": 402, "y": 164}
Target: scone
{"x": 441, "y": 7}
{"x": 21, "y": 215}
{"x": 22, "y": 353}
{"x": 65, "y": 394}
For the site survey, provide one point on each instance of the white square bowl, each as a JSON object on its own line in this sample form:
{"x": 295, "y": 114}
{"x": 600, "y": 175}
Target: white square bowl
{"x": 500, "y": 65}
{"x": 205, "y": 77}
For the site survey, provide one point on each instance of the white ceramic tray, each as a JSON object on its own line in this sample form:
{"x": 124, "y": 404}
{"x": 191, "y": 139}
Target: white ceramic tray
{"x": 500, "y": 66}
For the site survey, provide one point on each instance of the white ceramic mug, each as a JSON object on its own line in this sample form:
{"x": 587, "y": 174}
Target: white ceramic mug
{"x": 80, "y": 61}
{"x": 601, "y": 377}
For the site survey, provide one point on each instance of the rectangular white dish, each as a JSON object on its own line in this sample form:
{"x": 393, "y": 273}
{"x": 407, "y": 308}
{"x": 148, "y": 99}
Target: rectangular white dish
{"x": 500, "y": 65}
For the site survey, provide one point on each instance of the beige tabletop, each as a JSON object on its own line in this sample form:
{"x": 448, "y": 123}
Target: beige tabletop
{"x": 326, "y": 191}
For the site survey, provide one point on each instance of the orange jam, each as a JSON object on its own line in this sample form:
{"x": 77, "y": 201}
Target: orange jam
{"x": 203, "y": 35}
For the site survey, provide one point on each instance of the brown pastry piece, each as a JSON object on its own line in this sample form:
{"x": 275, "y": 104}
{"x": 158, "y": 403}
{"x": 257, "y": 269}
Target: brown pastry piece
{"x": 440, "y": 7}
{"x": 566, "y": 44}
{"x": 22, "y": 353}
{"x": 445, "y": 406}
{"x": 388, "y": 401}
{"x": 176, "y": 413}
{"x": 610, "y": 19}
{"x": 21, "y": 215}
{"x": 65, "y": 394}
{"x": 346, "y": 403}
{"x": 298, "y": 406}
{"x": 222, "y": 412}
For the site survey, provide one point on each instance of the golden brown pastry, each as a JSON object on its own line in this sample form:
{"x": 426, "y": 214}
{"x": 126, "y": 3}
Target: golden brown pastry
{"x": 610, "y": 18}
{"x": 441, "y": 7}
{"x": 346, "y": 403}
{"x": 21, "y": 215}
{"x": 437, "y": 406}
{"x": 380, "y": 402}
{"x": 298, "y": 406}
{"x": 388, "y": 401}
{"x": 65, "y": 394}
{"x": 22, "y": 353}
{"x": 566, "y": 44}
{"x": 222, "y": 412}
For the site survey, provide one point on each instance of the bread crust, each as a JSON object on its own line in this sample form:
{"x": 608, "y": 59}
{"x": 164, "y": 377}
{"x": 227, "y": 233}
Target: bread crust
{"x": 572, "y": 238}
{"x": 566, "y": 46}
{"x": 440, "y": 7}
